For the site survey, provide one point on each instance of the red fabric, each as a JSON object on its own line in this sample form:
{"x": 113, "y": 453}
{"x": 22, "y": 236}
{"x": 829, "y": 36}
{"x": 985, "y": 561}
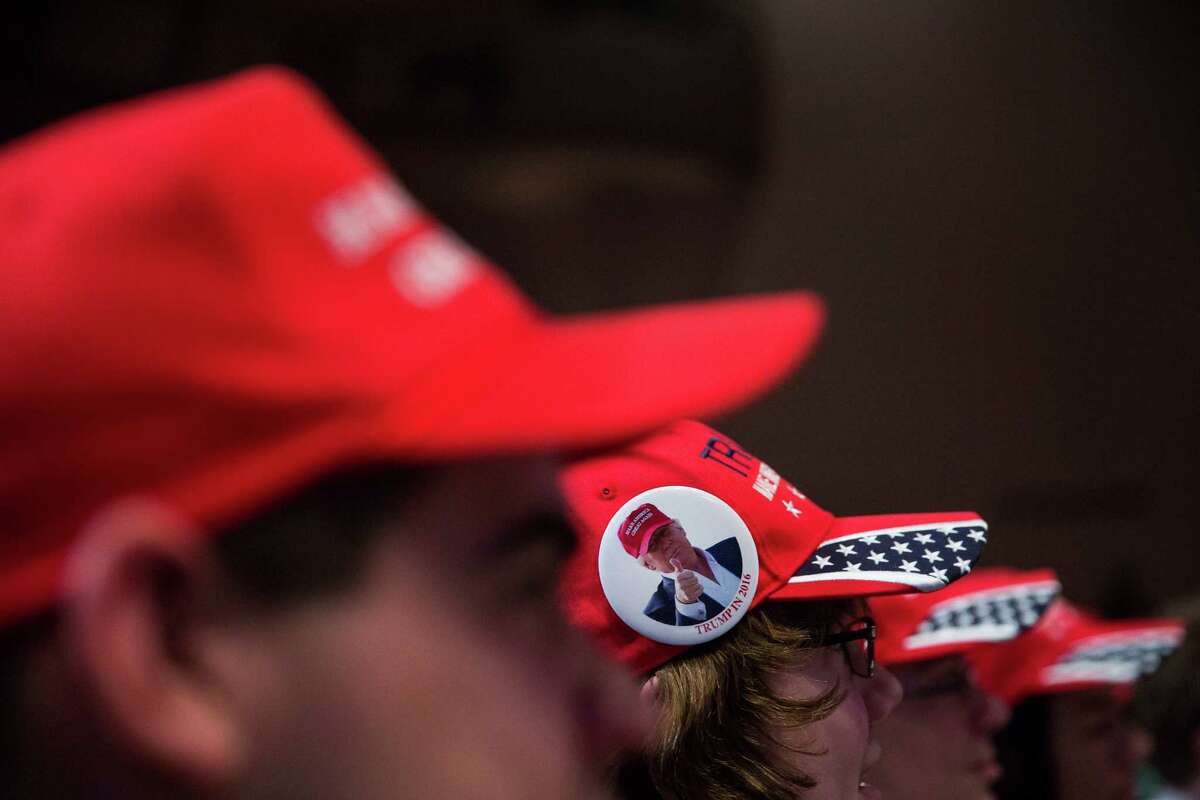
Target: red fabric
{"x": 639, "y": 527}
{"x": 214, "y": 294}
{"x": 1025, "y": 666}
{"x": 596, "y": 486}
{"x": 900, "y": 616}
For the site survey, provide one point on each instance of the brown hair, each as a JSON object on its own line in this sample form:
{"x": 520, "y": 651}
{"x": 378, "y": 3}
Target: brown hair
{"x": 716, "y": 736}
{"x": 311, "y": 543}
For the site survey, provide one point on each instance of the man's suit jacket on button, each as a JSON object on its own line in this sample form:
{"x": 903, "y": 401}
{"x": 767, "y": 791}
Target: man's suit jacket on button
{"x": 661, "y": 606}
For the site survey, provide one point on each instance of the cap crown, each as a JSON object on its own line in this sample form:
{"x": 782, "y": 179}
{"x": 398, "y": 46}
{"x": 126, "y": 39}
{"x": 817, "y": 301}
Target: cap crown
{"x": 190, "y": 279}
{"x": 214, "y": 294}
{"x": 639, "y": 527}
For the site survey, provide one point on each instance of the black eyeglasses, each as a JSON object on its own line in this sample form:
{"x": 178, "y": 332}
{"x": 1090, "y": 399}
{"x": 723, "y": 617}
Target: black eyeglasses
{"x": 857, "y": 639}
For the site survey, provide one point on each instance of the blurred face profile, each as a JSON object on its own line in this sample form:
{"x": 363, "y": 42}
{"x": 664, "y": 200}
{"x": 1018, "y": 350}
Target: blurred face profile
{"x": 937, "y": 745}
{"x": 448, "y": 673}
{"x": 670, "y": 542}
{"x": 840, "y": 751}
{"x": 1093, "y": 746}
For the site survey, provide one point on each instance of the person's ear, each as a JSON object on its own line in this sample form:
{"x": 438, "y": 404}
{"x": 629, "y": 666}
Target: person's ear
{"x": 139, "y": 587}
{"x": 649, "y": 693}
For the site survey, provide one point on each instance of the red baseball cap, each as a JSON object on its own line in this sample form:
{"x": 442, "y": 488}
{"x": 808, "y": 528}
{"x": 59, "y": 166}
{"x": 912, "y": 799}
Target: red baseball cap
{"x": 757, "y": 534}
{"x": 990, "y": 605}
{"x": 214, "y": 294}
{"x": 639, "y": 527}
{"x": 1069, "y": 650}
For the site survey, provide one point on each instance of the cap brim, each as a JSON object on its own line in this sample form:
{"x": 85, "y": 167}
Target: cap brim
{"x": 988, "y": 607}
{"x": 1120, "y": 654}
{"x": 1069, "y": 649}
{"x": 889, "y": 554}
{"x": 545, "y": 384}
{"x": 595, "y": 379}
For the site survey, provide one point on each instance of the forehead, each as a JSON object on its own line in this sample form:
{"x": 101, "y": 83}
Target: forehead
{"x": 1088, "y": 701}
{"x": 672, "y": 529}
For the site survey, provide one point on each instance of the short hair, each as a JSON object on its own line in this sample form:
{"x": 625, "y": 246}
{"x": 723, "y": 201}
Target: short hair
{"x": 716, "y": 736}
{"x": 314, "y": 541}
{"x": 1168, "y": 705}
{"x": 659, "y": 532}
{"x": 309, "y": 544}
{"x": 17, "y": 643}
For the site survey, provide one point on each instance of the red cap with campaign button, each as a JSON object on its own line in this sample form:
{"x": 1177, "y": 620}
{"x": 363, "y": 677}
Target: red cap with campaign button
{"x": 751, "y": 530}
{"x": 216, "y": 294}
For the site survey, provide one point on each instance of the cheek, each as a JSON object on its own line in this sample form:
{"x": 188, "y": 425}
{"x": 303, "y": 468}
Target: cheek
{"x": 406, "y": 690}
{"x": 948, "y": 724}
{"x": 840, "y": 739}
{"x": 914, "y": 730}
{"x": 851, "y": 724}
{"x": 919, "y": 741}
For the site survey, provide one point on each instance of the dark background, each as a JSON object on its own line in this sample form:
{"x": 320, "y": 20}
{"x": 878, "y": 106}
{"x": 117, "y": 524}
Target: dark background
{"x": 998, "y": 200}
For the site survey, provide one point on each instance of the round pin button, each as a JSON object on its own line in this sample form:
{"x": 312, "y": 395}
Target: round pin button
{"x": 678, "y": 565}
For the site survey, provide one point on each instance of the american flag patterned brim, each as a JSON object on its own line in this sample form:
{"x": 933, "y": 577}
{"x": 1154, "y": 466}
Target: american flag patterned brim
{"x": 1117, "y": 658}
{"x": 889, "y": 553}
{"x": 992, "y": 604}
{"x": 991, "y": 615}
{"x": 1070, "y": 649}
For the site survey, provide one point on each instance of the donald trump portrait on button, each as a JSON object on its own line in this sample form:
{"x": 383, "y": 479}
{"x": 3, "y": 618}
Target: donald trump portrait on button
{"x": 696, "y": 583}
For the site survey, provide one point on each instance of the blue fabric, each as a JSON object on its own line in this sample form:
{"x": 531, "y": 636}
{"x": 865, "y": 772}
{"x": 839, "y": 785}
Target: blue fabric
{"x": 661, "y": 606}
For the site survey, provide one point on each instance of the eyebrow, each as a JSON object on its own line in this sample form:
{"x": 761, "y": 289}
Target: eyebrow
{"x": 543, "y": 526}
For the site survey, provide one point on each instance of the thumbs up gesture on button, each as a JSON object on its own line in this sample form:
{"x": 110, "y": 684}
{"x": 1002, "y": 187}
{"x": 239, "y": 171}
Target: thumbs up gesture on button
{"x": 687, "y": 585}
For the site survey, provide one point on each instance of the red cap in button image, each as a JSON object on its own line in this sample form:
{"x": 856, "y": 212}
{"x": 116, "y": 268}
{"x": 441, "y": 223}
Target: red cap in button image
{"x": 992, "y": 604}
{"x": 1070, "y": 649}
{"x": 639, "y": 527}
{"x": 788, "y": 547}
{"x": 215, "y": 294}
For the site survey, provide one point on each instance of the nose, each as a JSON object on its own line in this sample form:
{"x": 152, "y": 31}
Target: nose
{"x": 610, "y": 716}
{"x": 988, "y": 712}
{"x": 1141, "y": 744}
{"x": 882, "y": 693}
{"x": 1127, "y": 744}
